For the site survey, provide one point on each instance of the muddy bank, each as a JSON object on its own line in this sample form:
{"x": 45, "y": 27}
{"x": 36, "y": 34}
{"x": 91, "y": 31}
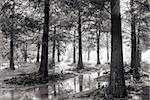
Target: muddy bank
{"x": 33, "y": 79}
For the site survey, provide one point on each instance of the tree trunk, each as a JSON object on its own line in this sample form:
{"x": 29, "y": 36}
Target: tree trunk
{"x": 25, "y": 52}
{"x": 89, "y": 54}
{"x": 12, "y": 52}
{"x": 107, "y": 43}
{"x": 80, "y": 62}
{"x": 74, "y": 48}
{"x": 138, "y": 49}
{"x": 117, "y": 86}
{"x": 134, "y": 67}
{"x": 133, "y": 45}
{"x": 12, "y": 40}
{"x": 58, "y": 51}
{"x": 98, "y": 47}
{"x": 43, "y": 70}
{"x": 54, "y": 46}
{"x": 138, "y": 52}
{"x": 38, "y": 52}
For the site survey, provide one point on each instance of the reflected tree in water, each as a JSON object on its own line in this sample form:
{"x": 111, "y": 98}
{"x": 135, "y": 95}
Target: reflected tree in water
{"x": 43, "y": 92}
{"x": 81, "y": 83}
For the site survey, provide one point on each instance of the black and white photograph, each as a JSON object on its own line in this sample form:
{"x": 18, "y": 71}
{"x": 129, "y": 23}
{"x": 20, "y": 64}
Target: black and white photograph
{"x": 74, "y": 49}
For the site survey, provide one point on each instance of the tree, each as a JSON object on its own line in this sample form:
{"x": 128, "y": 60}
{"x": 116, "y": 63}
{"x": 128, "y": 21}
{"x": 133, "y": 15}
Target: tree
{"x": 98, "y": 19}
{"x": 74, "y": 47}
{"x": 139, "y": 17}
{"x": 12, "y": 39}
{"x": 43, "y": 70}
{"x": 25, "y": 45}
{"x": 8, "y": 27}
{"x": 77, "y": 6}
{"x": 98, "y": 45}
{"x": 18, "y": 26}
{"x": 117, "y": 86}
{"x": 38, "y": 52}
{"x": 89, "y": 42}
{"x": 58, "y": 51}
{"x": 80, "y": 62}
{"x": 134, "y": 67}
{"x": 107, "y": 45}
{"x": 54, "y": 47}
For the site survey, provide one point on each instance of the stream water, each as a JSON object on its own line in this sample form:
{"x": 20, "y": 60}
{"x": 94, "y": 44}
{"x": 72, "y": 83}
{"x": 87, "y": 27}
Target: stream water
{"x": 64, "y": 90}
{"x": 59, "y": 91}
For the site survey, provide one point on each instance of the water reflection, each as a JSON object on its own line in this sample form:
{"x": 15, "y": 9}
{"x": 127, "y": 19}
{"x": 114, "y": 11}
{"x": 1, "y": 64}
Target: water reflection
{"x": 57, "y": 91}
{"x": 12, "y": 95}
{"x": 81, "y": 83}
{"x": 43, "y": 92}
{"x": 98, "y": 74}
{"x": 75, "y": 88}
{"x": 89, "y": 83}
{"x": 146, "y": 93}
{"x": 54, "y": 88}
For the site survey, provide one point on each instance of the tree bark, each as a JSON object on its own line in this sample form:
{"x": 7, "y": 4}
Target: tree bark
{"x": 25, "y": 52}
{"x": 12, "y": 40}
{"x": 54, "y": 46}
{"x": 138, "y": 52}
{"x": 107, "y": 43}
{"x": 138, "y": 48}
{"x": 98, "y": 47}
{"x": 133, "y": 45}
{"x": 43, "y": 70}
{"x": 89, "y": 54}
{"x": 134, "y": 67}
{"x": 12, "y": 52}
{"x": 80, "y": 62}
{"x": 74, "y": 48}
{"x": 117, "y": 86}
{"x": 58, "y": 51}
{"x": 38, "y": 52}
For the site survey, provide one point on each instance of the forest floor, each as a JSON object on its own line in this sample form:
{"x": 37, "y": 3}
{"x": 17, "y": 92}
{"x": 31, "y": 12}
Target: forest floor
{"x": 137, "y": 90}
